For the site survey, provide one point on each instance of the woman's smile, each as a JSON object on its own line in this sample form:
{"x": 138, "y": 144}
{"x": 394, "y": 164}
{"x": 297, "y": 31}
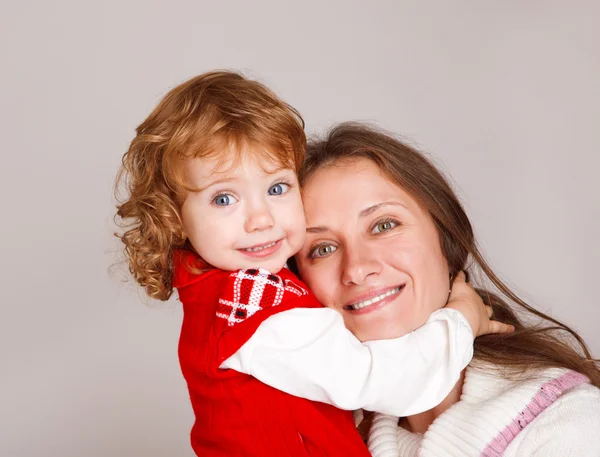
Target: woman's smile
{"x": 376, "y": 300}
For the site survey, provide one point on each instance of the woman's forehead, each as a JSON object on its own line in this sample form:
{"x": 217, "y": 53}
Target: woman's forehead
{"x": 355, "y": 186}
{"x": 351, "y": 176}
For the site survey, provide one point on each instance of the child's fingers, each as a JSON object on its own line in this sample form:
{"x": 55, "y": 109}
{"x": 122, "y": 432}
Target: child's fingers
{"x": 459, "y": 286}
{"x": 500, "y": 327}
{"x": 460, "y": 277}
{"x": 490, "y": 311}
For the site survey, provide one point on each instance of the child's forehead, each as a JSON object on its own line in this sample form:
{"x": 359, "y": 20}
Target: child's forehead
{"x": 234, "y": 162}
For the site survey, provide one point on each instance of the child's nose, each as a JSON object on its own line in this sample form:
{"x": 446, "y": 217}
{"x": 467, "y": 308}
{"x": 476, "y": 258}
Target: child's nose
{"x": 259, "y": 218}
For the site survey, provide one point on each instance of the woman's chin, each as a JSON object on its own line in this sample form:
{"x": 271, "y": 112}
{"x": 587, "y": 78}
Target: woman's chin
{"x": 384, "y": 331}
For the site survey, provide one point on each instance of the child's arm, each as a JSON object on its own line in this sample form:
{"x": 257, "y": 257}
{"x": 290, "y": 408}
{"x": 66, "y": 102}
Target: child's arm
{"x": 308, "y": 352}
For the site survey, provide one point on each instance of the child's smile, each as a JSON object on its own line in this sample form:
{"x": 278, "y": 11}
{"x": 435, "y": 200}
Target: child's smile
{"x": 245, "y": 214}
{"x": 263, "y": 250}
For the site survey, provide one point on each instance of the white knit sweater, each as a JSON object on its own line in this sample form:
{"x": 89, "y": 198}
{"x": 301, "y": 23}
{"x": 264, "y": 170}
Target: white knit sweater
{"x": 557, "y": 414}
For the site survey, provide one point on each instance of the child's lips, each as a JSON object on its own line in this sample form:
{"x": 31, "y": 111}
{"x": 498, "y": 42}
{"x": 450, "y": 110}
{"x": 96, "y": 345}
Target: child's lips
{"x": 262, "y": 250}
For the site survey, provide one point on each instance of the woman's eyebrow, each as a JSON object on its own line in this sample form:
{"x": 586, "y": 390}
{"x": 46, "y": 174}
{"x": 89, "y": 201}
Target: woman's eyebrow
{"x": 365, "y": 212}
{"x": 317, "y": 229}
{"x": 371, "y": 209}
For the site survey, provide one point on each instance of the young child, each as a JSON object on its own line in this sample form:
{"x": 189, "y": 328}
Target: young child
{"x": 216, "y": 212}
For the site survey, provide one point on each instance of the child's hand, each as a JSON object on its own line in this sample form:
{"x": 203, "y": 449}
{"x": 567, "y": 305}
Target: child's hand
{"x": 463, "y": 298}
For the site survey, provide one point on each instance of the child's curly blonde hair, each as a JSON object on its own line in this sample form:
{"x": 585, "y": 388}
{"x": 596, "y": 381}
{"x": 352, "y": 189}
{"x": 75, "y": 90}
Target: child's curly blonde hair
{"x": 209, "y": 114}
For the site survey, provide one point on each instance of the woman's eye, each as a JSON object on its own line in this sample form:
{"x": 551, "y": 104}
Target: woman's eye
{"x": 278, "y": 189}
{"x": 384, "y": 226}
{"x": 322, "y": 250}
{"x": 224, "y": 200}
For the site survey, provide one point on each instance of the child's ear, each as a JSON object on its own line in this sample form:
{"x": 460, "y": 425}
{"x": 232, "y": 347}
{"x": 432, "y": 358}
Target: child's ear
{"x": 293, "y": 266}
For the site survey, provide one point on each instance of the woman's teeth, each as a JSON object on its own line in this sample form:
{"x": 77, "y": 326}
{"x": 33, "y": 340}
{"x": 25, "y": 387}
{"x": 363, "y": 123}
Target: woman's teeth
{"x": 260, "y": 248}
{"x": 372, "y": 301}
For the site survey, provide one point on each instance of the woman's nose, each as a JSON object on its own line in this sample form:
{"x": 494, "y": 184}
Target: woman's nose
{"x": 259, "y": 217}
{"x": 359, "y": 264}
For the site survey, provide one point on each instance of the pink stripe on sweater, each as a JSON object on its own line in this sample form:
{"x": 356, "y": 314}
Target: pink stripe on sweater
{"x": 547, "y": 395}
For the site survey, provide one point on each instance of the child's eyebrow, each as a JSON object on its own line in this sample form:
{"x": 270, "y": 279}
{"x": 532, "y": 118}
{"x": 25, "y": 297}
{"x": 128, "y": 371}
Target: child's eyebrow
{"x": 219, "y": 178}
{"x": 282, "y": 170}
{"x": 213, "y": 182}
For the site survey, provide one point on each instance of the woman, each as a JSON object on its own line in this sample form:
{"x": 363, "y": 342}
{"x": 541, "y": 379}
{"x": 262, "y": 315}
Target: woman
{"x": 385, "y": 236}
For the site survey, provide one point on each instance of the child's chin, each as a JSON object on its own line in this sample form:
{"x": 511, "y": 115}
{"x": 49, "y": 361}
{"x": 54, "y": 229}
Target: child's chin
{"x": 271, "y": 265}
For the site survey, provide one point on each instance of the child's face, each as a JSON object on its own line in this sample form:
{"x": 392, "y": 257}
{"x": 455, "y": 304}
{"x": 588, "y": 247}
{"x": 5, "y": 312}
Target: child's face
{"x": 243, "y": 216}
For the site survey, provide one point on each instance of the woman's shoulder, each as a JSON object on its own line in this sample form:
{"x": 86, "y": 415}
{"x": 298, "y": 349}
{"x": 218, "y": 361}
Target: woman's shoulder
{"x": 540, "y": 413}
{"x": 583, "y": 391}
{"x": 540, "y": 393}
{"x": 581, "y": 403}
{"x": 569, "y": 426}
{"x": 551, "y": 412}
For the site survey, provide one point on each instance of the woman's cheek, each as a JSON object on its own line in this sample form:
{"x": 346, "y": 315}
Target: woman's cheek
{"x": 317, "y": 280}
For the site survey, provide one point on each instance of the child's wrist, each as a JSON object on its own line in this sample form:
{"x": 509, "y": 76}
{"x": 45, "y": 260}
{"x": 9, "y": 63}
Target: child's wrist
{"x": 470, "y": 317}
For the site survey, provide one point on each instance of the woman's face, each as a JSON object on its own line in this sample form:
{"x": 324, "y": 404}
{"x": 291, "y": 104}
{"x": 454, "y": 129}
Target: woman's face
{"x": 371, "y": 252}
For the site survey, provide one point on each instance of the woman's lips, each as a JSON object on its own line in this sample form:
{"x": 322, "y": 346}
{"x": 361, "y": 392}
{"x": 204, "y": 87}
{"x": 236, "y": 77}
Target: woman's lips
{"x": 374, "y": 302}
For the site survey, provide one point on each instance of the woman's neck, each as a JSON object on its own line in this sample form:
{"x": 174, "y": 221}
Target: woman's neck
{"x": 419, "y": 423}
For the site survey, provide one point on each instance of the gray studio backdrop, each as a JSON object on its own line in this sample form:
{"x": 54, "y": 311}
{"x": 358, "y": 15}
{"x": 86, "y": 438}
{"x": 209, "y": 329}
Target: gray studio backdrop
{"x": 504, "y": 95}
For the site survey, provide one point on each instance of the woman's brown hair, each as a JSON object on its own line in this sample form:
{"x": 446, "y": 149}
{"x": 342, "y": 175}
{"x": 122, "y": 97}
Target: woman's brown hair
{"x": 210, "y": 114}
{"x": 549, "y": 343}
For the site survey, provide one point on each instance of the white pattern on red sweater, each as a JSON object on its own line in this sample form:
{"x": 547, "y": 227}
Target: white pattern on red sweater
{"x": 254, "y": 289}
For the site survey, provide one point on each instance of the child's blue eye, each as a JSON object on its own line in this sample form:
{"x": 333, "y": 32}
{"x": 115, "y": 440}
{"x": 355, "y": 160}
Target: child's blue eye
{"x": 224, "y": 200}
{"x": 278, "y": 189}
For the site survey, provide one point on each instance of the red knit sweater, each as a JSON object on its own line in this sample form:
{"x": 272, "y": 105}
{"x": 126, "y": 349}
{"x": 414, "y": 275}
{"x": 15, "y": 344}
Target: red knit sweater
{"x": 237, "y": 415}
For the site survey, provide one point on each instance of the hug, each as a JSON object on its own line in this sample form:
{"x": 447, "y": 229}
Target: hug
{"x": 326, "y": 306}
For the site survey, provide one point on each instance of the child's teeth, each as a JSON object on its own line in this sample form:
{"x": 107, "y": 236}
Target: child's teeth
{"x": 260, "y": 248}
